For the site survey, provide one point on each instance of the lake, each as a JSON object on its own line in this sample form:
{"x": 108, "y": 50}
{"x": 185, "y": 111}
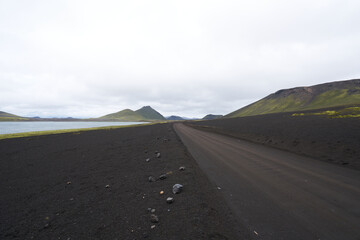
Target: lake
{"x": 19, "y": 127}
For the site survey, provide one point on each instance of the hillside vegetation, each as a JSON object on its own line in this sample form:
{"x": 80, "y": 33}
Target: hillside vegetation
{"x": 4, "y": 116}
{"x": 334, "y": 94}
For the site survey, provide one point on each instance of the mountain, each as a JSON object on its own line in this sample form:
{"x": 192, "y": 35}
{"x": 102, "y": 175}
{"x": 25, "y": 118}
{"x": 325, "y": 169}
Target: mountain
{"x": 4, "y": 116}
{"x": 174, "y": 118}
{"x": 126, "y": 115}
{"x": 333, "y": 94}
{"x": 143, "y": 114}
{"x": 212, "y": 116}
{"x": 149, "y": 113}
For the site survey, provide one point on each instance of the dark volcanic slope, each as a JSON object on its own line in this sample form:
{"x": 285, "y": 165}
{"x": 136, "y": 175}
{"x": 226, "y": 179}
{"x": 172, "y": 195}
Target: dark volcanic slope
{"x": 54, "y": 187}
{"x": 334, "y": 140}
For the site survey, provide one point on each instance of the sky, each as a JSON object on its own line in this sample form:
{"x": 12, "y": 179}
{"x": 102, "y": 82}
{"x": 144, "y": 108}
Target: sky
{"x": 89, "y": 58}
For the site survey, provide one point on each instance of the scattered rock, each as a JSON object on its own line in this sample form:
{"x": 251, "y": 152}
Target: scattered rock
{"x": 154, "y": 218}
{"x": 177, "y": 188}
{"x": 219, "y": 188}
{"x": 170, "y": 200}
{"x": 71, "y": 199}
{"x": 162, "y": 176}
{"x": 153, "y": 210}
{"x": 161, "y": 192}
{"x": 151, "y": 179}
{"x": 68, "y": 183}
{"x": 182, "y": 168}
{"x": 149, "y": 209}
{"x": 158, "y": 155}
{"x": 107, "y": 186}
{"x": 147, "y": 160}
{"x": 47, "y": 225}
{"x": 153, "y": 226}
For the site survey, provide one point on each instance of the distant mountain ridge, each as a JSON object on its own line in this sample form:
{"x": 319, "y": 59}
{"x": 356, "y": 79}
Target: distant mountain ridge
{"x": 319, "y": 96}
{"x": 174, "y": 118}
{"x": 143, "y": 114}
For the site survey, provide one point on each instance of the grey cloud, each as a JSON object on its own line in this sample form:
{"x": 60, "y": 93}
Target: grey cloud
{"x": 90, "y": 58}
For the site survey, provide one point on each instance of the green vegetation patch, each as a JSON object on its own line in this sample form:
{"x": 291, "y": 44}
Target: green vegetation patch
{"x": 334, "y": 98}
{"x": 349, "y": 112}
{"x": 266, "y": 106}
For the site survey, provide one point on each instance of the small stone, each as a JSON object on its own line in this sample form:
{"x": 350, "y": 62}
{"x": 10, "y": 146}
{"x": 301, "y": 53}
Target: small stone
{"x": 68, "y": 183}
{"x": 161, "y": 192}
{"x": 149, "y": 209}
{"x": 151, "y": 179}
{"x": 162, "y": 177}
{"x": 153, "y": 226}
{"x": 170, "y": 200}
{"x": 47, "y": 225}
{"x": 154, "y": 218}
{"x": 71, "y": 199}
{"x": 158, "y": 155}
{"x": 219, "y": 188}
{"x": 177, "y": 188}
{"x": 107, "y": 186}
{"x": 182, "y": 168}
{"x": 147, "y": 160}
{"x": 153, "y": 210}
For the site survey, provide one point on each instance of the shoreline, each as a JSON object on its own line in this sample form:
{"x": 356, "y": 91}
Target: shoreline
{"x": 71, "y": 130}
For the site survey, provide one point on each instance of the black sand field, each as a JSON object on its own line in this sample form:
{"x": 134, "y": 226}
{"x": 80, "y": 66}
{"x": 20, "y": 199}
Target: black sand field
{"x": 335, "y": 140}
{"x": 95, "y": 185}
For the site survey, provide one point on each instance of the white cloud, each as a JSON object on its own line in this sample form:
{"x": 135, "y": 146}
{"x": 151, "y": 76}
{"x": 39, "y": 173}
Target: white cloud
{"x": 89, "y": 58}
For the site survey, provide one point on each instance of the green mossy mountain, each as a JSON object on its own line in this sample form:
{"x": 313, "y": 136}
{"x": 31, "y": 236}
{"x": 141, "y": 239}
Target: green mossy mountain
{"x": 333, "y": 94}
{"x": 4, "y": 116}
{"x": 149, "y": 113}
{"x": 143, "y": 114}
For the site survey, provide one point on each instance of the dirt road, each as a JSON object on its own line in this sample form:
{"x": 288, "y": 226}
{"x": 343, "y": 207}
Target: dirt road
{"x": 276, "y": 194}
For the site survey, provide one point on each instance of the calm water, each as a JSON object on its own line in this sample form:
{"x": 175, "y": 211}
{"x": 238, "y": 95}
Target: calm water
{"x": 18, "y": 127}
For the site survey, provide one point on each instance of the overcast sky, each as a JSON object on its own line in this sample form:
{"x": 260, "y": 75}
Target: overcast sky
{"x": 188, "y": 58}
